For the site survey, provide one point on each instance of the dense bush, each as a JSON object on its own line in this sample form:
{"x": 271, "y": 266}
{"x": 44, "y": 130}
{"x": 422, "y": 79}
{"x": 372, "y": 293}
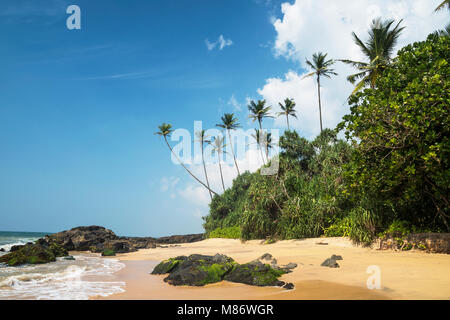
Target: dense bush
{"x": 393, "y": 177}
{"x": 401, "y": 132}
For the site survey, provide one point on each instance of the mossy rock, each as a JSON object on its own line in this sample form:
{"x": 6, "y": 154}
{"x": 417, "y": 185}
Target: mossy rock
{"x": 69, "y": 258}
{"x": 255, "y": 273}
{"x": 167, "y": 266}
{"x": 196, "y": 270}
{"x": 29, "y": 254}
{"x": 199, "y": 270}
{"x": 58, "y": 250}
{"x": 108, "y": 253}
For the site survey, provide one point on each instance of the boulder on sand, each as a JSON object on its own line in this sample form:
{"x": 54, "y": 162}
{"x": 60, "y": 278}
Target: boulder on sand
{"x": 331, "y": 262}
{"x": 198, "y": 270}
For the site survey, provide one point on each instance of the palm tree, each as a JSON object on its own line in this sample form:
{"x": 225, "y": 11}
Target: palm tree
{"x": 229, "y": 122}
{"x": 219, "y": 148}
{"x": 377, "y": 49}
{"x": 258, "y": 136}
{"x": 202, "y": 138}
{"x": 288, "y": 110}
{"x": 321, "y": 67}
{"x": 269, "y": 144}
{"x": 165, "y": 130}
{"x": 445, "y": 3}
{"x": 259, "y": 111}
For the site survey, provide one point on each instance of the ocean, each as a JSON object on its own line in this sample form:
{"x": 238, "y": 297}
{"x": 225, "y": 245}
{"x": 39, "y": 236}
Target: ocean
{"x": 87, "y": 276}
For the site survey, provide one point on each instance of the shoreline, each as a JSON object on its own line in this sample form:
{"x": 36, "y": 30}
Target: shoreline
{"x": 404, "y": 275}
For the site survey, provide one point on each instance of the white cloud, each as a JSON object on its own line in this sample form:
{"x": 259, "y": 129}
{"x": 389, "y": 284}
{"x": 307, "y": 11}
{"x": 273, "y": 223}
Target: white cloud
{"x": 234, "y": 103}
{"x": 168, "y": 183}
{"x": 309, "y": 26}
{"x": 220, "y": 43}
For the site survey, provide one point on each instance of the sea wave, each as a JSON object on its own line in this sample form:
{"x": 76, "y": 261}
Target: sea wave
{"x": 61, "y": 280}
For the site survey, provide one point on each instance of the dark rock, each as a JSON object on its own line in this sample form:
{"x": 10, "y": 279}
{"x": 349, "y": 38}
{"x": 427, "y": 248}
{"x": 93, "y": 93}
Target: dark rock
{"x": 168, "y": 265}
{"x": 331, "y": 262}
{"x": 198, "y": 270}
{"x": 69, "y": 258}
{"x": 255, "y": 273}
{"x": 2, "y": 250}
{"x": 188, "y": 238}
{"x": 288, "y": 286}
{"x": 28, "y": 254}
{"x": 16, "y": 247}
{"x": 266, "y": 256}
{"x": 83, "y": 238}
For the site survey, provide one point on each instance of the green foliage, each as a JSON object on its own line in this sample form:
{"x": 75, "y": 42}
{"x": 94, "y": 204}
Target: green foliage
{"x": 226, "y": 233}
{"x": 393, "y": 177}
{"x": 401, "y": 132}
{"x": 108, "y": 253}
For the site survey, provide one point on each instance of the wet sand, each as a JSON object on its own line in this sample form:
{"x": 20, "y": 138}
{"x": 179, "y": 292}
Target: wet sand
{"x": 404, "y": 275}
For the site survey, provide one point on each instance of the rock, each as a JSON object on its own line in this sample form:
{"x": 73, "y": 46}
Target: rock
{"x": 108, "y": 253}
{"x": 266, "y": 256}
{"x": 255, "y": 273}
{"x": 199, "y": 270}
{"x": 288, "y": 286}
{"x": 322, "y": 243}
{"x": 28, "y": 254}
{"x": 168, "y": 265}
{"x": 15, "y": 248}
{"x": 2, "y": 250}
{"x": 69, "y": 258}
{"x": 83, "y": 238}
{"x": 188, "y": 238}
{"x": 331, "y": 262}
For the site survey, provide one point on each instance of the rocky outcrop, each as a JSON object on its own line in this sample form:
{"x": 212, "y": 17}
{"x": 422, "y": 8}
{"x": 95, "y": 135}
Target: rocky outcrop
{"x": 98, "y": 239}
{"x": 89, "y": 238}
{"x": 33, "y": 253}
{"x": 427, "y": 242}
{"x": 198, "y": 270}
{"x": 188, "y": 238}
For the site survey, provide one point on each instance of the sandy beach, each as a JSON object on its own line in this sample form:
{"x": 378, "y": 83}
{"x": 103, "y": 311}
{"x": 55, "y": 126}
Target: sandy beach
{"x": 404, "y": 275}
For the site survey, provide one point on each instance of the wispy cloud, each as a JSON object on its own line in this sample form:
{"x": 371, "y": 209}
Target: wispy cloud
{"x": 220, "y": 43}
{"x": 126, "y": 75}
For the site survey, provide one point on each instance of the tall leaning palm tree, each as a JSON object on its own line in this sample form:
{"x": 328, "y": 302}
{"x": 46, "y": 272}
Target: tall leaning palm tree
{"x": 165, "y": 130}
{"x": 202, "y": 138}
{"x": 229, "y": 122}
{"x": 445, "y": 3}
{"x": 259, "y": 111}
{"x": 288, "y": 109}
{"x": 377, "y": 49}
{"x": 219, "y": 148}
{"x": 321, "y": 67}
{"x": 258, "y": 136}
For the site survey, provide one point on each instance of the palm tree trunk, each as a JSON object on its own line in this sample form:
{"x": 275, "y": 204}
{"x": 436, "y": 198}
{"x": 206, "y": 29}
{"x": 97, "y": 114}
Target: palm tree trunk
{"x": 193, "y": 176}
{"x": 287, "y": 120}
{"x": 206, "y": 174}
{"x": 320, "y": 105}
{"x": 261, "y": 152}
{"x": 221, "y": 175}
{"x": 232, "y": 151}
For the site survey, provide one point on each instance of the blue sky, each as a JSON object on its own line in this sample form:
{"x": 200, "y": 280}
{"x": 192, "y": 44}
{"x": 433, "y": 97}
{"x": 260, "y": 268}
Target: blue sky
{"x": 79, "y": 108}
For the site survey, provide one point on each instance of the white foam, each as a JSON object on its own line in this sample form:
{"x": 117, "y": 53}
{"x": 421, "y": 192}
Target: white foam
{"x": 61, "y": 280}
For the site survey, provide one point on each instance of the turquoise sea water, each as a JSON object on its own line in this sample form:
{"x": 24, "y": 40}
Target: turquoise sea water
{"x": 11, "y": 238}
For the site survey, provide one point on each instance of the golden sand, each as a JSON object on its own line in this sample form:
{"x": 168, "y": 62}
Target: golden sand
{"x": 404, "y": 275}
